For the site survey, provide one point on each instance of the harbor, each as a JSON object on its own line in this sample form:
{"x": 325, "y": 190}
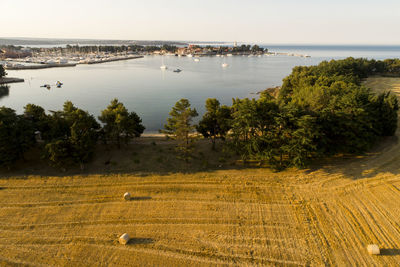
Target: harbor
{"x": 45, "y": 63}
{"x": 30, "y": 58}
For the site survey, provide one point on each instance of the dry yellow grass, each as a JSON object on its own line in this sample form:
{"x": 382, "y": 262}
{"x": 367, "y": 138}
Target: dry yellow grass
{"x": 322, "y": 216}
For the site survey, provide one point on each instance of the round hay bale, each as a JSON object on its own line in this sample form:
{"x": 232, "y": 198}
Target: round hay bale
{"x": 124, "y": 239}
{"x": 373, "y": 249}
{"x": 127, "y": 196}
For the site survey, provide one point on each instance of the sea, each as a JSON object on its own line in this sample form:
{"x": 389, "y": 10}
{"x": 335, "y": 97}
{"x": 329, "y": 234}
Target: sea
{"x": 151, "y": 92}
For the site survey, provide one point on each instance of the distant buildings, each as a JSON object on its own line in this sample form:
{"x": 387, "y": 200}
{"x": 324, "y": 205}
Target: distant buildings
{"x": 15, "y": 52}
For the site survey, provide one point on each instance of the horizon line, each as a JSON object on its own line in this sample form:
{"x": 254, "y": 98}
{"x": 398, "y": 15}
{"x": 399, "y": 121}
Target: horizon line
{"x": 20, "y": 38}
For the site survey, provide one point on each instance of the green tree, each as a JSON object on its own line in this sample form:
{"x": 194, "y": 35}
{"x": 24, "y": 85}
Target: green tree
{"x": 40, "y": 121}
{"x": 4, "y": 91}
{"x": 83, "y": 133}
{"x": 118, "y": 122}
{"x": 215, "y": 122}
{"x": 59, "y": 127}
{"x": 256, "y": 49}
{"x": 179, "y": 126}
{"x": 59, "y": 153}
{"x": 2, "y": 71}
{"x": 71, "y": 134}
{"x": 16, "y": 136}
{"x": 302, "y": 142}
{"x": 8, "y": 145}
{"x": 244, "y": 114}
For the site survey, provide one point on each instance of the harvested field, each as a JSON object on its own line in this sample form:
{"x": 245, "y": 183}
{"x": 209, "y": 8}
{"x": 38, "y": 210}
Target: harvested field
{"x": 326, "y": 215}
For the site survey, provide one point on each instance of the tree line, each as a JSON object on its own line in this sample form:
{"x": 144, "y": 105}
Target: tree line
{"x": 320, "y": 111}
{"x": 65, "y": 137}
{"x": 142, "y": 48}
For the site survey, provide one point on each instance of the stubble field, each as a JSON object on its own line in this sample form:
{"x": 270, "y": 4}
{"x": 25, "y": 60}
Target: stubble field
{"x": 325, "y": 215}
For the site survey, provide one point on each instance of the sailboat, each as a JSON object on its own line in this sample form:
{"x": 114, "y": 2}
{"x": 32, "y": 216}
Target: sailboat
{"x": 163, "y": 66}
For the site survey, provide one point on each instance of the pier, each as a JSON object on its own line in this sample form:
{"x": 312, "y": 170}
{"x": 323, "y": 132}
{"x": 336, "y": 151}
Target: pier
{"x": 105, "y": 60}
{"x": 11, "y": 80}
{"x": 41, "y": 66}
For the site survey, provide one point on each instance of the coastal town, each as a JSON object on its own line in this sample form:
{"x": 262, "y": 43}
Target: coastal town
{"x": 19, "y": 58}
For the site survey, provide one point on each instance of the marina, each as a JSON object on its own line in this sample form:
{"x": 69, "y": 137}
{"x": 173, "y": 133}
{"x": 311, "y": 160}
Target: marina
{"x": 33, "y": 63}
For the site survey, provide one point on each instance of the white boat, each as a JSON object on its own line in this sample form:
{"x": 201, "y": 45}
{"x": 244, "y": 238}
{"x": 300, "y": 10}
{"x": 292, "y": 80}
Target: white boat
{"x": 229, "y": 55}
{"x": 224, "y": 65}
{"x": 196, "y": 60}
{"x": 189, "y": 55}
{"x": 63, "y": 61}
{"x": 163, "y": 66}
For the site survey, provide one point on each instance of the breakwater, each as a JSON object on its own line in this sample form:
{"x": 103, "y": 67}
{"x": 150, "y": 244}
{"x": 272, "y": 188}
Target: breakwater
{"x": 41, "y": 66}
{"x": 11, "y": 80}
{"x": 105, "y": 60}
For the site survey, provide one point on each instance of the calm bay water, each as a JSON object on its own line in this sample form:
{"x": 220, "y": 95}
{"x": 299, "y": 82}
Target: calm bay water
{"x": 144, "y": 88}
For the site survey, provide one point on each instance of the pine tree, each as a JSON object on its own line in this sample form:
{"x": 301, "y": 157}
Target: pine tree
{"x": 118, "y": 122}
{"x": 16, "y": 136}
{"x": 179, "y": 126}
{"x": 215, "y": 122}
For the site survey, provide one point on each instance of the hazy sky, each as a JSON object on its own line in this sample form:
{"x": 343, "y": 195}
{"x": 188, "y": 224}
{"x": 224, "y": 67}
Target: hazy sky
{"x": 266, "y": 21}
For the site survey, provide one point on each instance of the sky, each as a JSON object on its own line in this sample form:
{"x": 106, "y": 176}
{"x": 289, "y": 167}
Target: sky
{"x": 253, "y": 21}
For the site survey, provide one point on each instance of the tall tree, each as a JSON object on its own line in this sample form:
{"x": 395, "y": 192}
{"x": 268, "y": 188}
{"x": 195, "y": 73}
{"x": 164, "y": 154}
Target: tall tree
{"x": 215, "y": 122}
{"x": 39, "y": 119}
{"x": 58, "y": 152}
{"x": 83, "y": 133}
{"x": 73, "y": 134}
{"x": 118, "y": 122}
{"x": 179, "y": 126}
{"x": 16, "y": 136}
